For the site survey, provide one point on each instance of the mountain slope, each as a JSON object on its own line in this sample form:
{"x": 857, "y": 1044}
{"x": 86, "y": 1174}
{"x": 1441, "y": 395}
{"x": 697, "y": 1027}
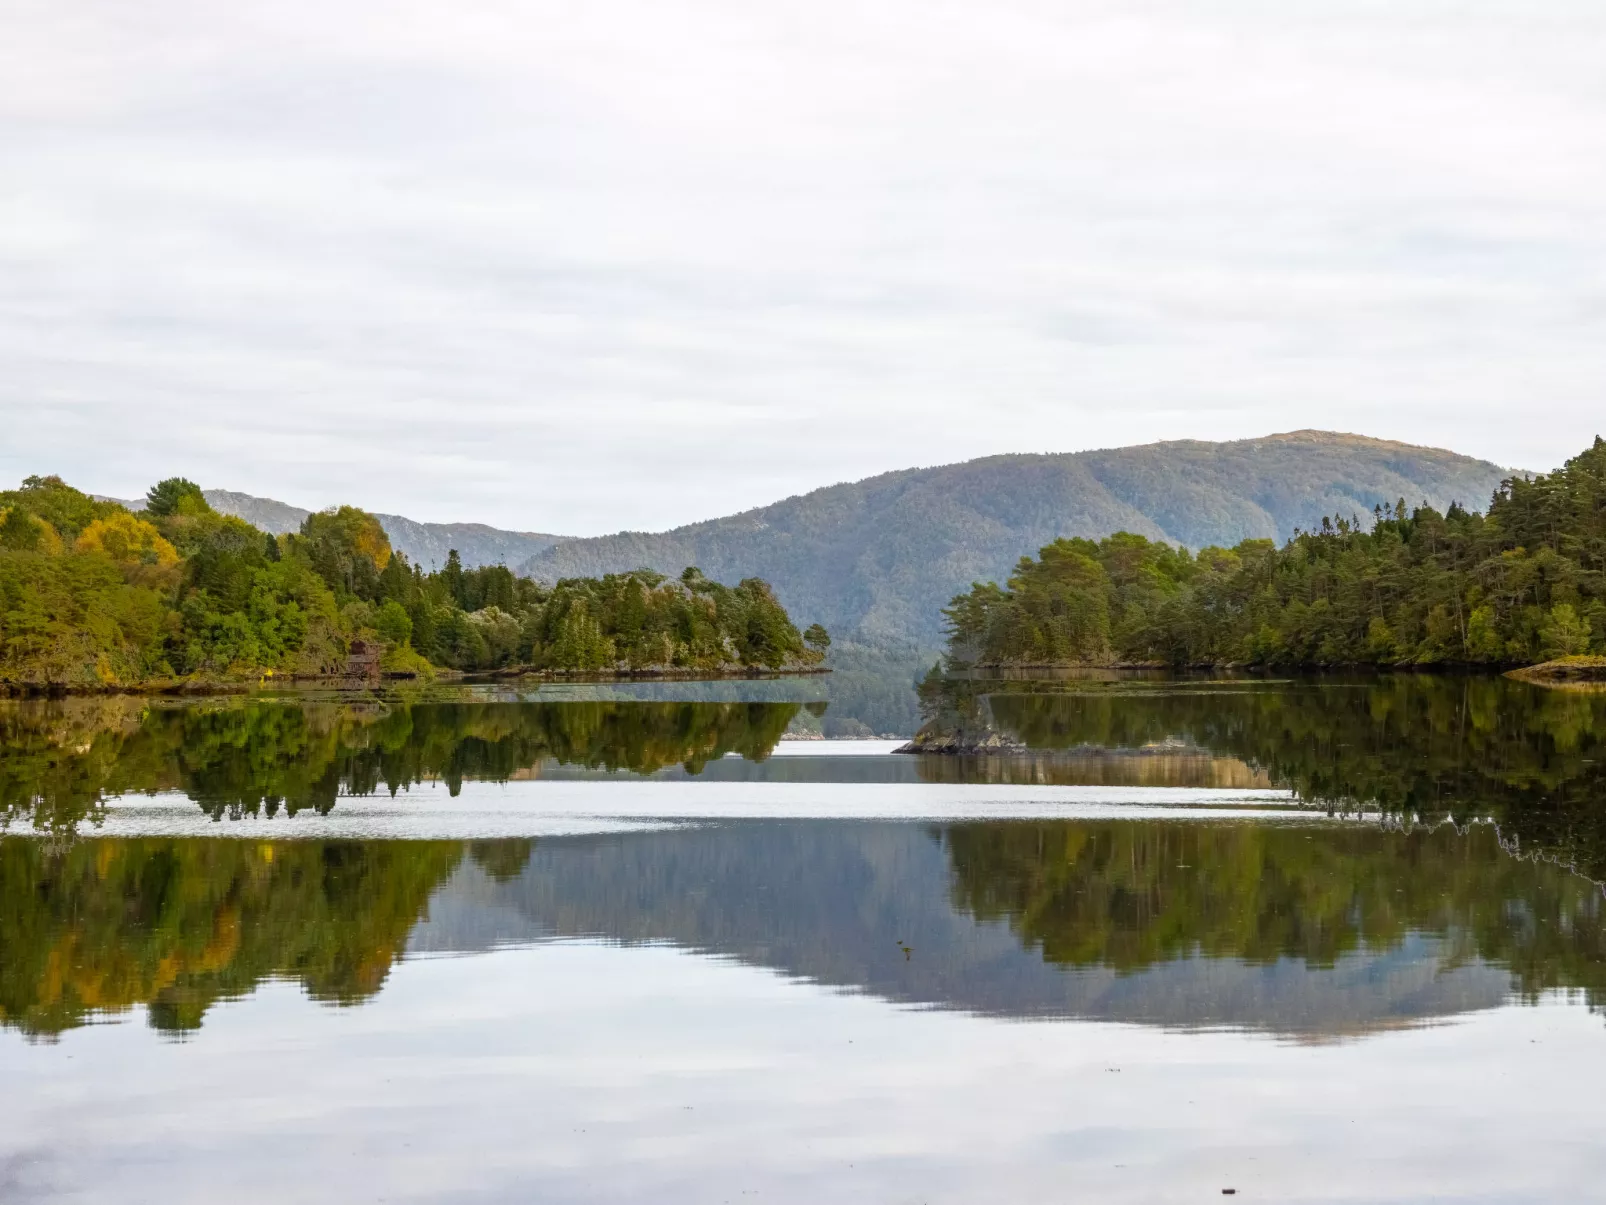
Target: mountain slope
{"x": 425, "y": 544}
{"x": 878, "y": 559}
{"x": 280, "y": 518}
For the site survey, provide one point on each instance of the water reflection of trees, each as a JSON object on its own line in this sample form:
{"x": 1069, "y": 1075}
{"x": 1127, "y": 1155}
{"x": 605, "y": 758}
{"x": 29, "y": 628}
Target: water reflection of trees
{"x": 60, "y": 760}
{"x": 1128, "y": 895}
{"x": 102, "y": 925}
{"x": 98, "y": 925}
{"x": 1412, "y": 745}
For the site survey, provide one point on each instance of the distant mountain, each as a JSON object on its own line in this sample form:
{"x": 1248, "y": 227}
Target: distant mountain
{"x": 427, "y": 544}
{"x": 878, "y": 559}
{"x": 278, "y": 517}
{"x": 424, "y": 544}
{"x": 817, "y": 901}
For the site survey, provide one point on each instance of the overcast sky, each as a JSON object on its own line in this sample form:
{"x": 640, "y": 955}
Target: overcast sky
{"x": 588, "y": 265}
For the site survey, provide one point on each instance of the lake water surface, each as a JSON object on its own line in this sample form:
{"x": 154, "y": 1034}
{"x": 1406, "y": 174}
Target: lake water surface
{"x": 1317, "y": 940}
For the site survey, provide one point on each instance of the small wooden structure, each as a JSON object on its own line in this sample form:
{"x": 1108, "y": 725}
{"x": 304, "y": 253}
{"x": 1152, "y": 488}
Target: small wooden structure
{"x": 362, "y": 659}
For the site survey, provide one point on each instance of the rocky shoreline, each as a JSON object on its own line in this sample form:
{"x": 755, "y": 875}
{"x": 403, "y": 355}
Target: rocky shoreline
{"x": 963, "y": 744}
{"x": 1563, "y": 671}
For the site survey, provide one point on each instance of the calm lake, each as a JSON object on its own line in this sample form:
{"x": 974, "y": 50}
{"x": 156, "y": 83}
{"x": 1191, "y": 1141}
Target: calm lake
{"x": 1326, "y": 940}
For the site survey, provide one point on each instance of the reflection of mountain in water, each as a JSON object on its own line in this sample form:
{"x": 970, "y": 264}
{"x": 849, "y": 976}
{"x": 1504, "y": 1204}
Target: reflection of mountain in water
{"x": 1313, "y": 929}
{"x": 1298, "y": 930}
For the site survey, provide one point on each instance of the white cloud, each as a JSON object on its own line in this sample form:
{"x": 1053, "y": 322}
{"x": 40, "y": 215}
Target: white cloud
{"x": 580, "y": 267}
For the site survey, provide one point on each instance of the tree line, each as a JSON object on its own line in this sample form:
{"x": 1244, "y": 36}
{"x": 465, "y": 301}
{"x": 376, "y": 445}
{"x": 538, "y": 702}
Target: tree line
{"x": 1522, "y": 583}
{"x": 93, "y": 594}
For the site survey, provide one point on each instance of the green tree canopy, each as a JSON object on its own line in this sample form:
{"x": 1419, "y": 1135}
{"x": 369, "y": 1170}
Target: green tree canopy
{"x": 1524, "y": 583}
{"x": 176, "y": 496}
{"x": 91, "y": 596}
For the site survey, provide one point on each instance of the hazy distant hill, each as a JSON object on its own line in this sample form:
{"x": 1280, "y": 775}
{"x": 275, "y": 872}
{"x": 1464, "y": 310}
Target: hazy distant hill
{"x": 277, "y": 517}
{"x": 878, "y": 558}
{"x": 425, "y": 544}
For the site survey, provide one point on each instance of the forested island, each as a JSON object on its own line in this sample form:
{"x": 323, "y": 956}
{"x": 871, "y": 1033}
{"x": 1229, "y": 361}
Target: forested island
{"x": 1524, "y": 582}
{"x": 94, "y": 596}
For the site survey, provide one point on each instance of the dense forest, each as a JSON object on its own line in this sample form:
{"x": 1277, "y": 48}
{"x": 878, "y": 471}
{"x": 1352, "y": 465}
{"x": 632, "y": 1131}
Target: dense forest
{"x": 94, "y": 595}
{"x": 1523, "y": 583}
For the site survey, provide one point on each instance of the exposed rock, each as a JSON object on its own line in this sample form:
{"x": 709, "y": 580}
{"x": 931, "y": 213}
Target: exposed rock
{"x": 1563, "y": 670}
{"x": 962, "y": 743}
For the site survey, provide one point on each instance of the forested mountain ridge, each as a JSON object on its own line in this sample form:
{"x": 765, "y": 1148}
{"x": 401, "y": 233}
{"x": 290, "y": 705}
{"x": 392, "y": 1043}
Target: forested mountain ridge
{"x": 1524, "y": 583}
{"x": 878, "y": 559}
{"x": 424, "y": 544}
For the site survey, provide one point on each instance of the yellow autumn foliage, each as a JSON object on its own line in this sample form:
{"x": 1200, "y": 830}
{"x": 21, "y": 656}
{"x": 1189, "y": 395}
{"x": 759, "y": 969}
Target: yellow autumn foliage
{"x": 127, "y": 539}
{"x": 370, "y": 540}
{"x": 49, "y": 541}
